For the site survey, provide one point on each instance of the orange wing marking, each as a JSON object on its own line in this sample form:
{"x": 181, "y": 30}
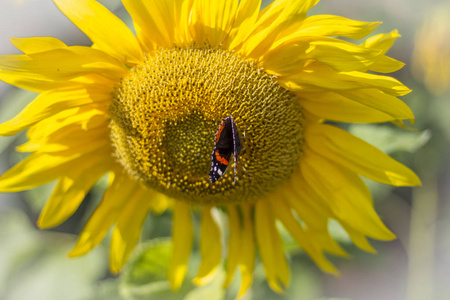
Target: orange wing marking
{"x": 221, "y": 159}
{"x": 219, "y": 132}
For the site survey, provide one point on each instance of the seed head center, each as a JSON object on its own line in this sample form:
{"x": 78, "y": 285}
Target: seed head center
{"x": 166, "y": 111}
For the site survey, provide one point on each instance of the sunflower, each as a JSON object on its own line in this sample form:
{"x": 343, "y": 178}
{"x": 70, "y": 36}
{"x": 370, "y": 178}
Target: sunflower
{"x": 145, "y": 109}
{"x": 431, "y": 56}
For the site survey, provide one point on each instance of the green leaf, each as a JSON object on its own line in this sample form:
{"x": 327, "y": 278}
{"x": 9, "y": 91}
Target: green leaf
{"x": 391, "y": 139}
{"x": 211, "y": 291}
{"x": 145, "y": 276}
{"x": 148, "y": 263}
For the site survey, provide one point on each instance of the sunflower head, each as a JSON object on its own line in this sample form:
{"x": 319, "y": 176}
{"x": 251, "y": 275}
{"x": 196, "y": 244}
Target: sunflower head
{"x": 146, "y": 108}
{"x": 165, "y": 113}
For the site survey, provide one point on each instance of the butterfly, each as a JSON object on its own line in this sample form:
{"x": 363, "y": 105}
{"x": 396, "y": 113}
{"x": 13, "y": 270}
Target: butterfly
{"x": 227, "y": 141}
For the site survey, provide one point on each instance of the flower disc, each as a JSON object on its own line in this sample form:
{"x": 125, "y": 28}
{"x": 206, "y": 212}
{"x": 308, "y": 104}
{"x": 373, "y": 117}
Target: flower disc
{"x": 166, "y": 112}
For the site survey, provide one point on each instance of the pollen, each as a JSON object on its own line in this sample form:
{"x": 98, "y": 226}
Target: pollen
{"x": 167, "y": 110}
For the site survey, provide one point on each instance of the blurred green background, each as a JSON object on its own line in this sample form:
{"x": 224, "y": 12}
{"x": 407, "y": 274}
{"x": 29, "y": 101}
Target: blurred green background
{"x": 416, "y": 266}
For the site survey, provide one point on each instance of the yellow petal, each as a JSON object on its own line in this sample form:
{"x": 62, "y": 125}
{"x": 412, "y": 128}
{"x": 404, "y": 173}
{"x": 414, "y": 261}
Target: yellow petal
{"x": 326, "y": 242}
{"x": 241, "y": 247}
{"x": 381, "y": 101}
{"x": 212, "y": 20}
{"x": 247, "y": 253}
{"x": 385, "y": 64}
{"x": 45, "y": 70}
{"x": 330, "y": 25}
{"x": 359, "y": 239}
{"x": 210, "y": 247}
{"x": 182, "y": 239}
{"x": 157, "y": 23}
{"x": 104, "y": 29}
{"x": 287, "y": 58}
{"x": 291, "y": 56}
{"x": 183, "y": 28}
{"x": 358, "y": 156}
{"x": 345, "y": 194}
{"x": 321, "y": 77}
{"x": 51, "y": 103}
{"x": 12, "y": 72}
{"x": 282, "y": 213}
{"x": 160, "y": 203}
{"x": 344, "y": 56}
{"x": 309, "y": 209}
{"x": 334, "y": 107}
{"x": 382, "y": 41}
{"x": 85, "y": 118}
{"x": 128, "y": 229}
{"x": 122, "y": 187}
{"x": 72, "y": 142}
{"x": 270, "y": 247}
{"x": 307, "y": 205}
{"x": 234, "y": 243}
{"x": 246, "y": 16}
{"x": 71, "y": 189}
{"x": 71, "y": 131}
{"x": 272, "y": 20}
{"x": 363, "y": 106}
{"x": 37, "y": 169}
{"x": 37, "y": 44}
{"x": 69, "y": 141}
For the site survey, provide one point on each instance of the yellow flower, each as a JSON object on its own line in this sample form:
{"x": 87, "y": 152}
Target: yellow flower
{"x": 431, "y": 56}
{"x": 146, "y": 108}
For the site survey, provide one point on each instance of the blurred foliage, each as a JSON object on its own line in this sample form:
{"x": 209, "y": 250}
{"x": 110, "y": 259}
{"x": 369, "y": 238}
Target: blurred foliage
{"x": 145, "y": 274}
{"x": 431, "y": 57}
{"x": 34, "y": 264}
{"x": 390, "y": 139}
